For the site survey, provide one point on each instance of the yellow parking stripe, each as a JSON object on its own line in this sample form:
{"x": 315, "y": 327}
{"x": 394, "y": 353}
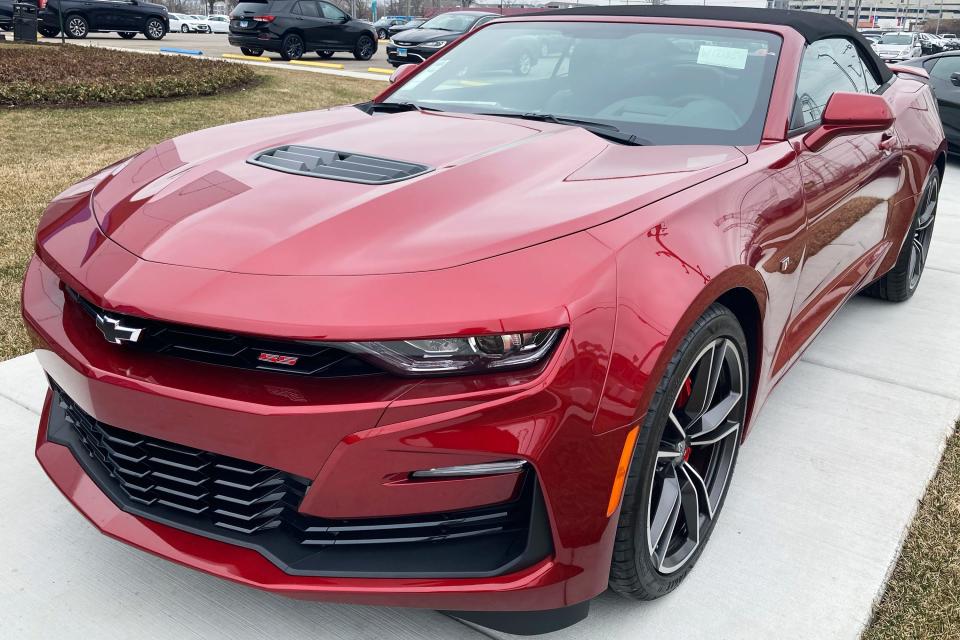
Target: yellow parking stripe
{"x": 239, "y": 56}
{"x": 380, "y": 70}
{"x": 325, "y": 65}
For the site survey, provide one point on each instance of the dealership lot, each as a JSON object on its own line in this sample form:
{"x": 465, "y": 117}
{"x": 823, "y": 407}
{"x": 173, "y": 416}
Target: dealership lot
{"x": 214, "y": 45}
{"x": 826, "y": 488}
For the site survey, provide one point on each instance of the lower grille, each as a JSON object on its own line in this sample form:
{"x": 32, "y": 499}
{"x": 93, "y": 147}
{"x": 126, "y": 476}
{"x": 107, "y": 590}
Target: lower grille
{"x": 255, "y": 506}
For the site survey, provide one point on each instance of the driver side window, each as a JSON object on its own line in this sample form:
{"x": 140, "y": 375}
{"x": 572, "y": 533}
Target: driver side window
{"x": 828, "y": 66}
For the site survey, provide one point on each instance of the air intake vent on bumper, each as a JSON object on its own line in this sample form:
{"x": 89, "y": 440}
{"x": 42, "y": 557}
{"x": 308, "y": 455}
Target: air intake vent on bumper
{"x": 336, "y": 165}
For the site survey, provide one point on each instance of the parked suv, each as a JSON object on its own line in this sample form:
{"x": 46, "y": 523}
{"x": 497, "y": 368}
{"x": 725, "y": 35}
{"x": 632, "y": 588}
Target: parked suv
{"x": 6, "y": 14}
{"x": 293, "y": 27}
{"x": 126, "y": 17}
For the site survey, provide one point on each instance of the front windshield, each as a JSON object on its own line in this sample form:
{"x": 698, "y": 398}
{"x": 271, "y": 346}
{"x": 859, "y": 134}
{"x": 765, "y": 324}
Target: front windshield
{"x": 896, "y": 38}
{"x": 451, "y": 22}
{"x": 663, "y": 84}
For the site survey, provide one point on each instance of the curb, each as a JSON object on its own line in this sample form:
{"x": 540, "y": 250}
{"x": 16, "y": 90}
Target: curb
{"x": 240, "y": 56}
{"x": 380, "y": 70}
{"x": 322, "y": 65}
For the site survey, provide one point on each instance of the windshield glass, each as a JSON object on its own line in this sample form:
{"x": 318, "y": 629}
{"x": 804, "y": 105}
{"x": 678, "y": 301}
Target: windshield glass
{"x": 896, "y": 38}
{"x": 451, "y": 21}
{"x": 663, "y": 84}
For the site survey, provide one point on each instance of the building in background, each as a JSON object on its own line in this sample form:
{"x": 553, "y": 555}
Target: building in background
{"x": 915, "y": 15}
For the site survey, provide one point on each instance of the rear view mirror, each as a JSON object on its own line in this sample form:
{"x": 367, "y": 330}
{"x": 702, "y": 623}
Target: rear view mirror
{"x": 849, "y": 113}
{"x": 402, "y": 72}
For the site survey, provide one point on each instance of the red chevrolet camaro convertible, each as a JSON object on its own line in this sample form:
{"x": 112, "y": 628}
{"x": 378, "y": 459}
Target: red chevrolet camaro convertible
{"x": 490, "y": 342}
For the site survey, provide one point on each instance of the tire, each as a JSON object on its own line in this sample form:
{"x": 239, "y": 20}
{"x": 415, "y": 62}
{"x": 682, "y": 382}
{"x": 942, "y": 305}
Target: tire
{"x": 382, "y": 34}
{"x": 524, "y": 64}
{"x": 365, "y": 48}
{"x": 154, "y": 29}
{"x": 247, "y": 51}
{"x": 127, "y": 35}
{"x": 901, "y": 282}
{"x": 325, "y": 55}
{"x": 184, "y": 29}
{"x": 76, "y": 27}
{"x": 681, "y": 467}
{"x": 48, "y": 32}
{"x": 292, "y": 47}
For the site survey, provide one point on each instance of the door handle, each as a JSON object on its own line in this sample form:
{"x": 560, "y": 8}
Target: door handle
{"x": 888, "y": 142}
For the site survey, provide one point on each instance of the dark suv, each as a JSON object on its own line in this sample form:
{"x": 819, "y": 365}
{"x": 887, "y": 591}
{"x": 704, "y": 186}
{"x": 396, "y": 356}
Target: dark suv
{"x": 126, "y": 17}
{"x": 6, "y": 14}
{"x": 293, "y": 27}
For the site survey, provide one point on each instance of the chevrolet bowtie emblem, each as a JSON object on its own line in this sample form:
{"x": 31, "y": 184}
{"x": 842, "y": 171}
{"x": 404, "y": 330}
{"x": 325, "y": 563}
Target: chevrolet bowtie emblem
{"x": 115, "y": 332}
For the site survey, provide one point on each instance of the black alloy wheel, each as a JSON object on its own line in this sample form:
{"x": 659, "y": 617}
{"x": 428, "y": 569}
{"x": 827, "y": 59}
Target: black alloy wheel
{"x": 382, "y": 34}
{"x": 365, "y": 48}
{"x": 683, "y": 460}
{"x": 184, "y": 29}
{"x": 155, "y": 29}
{"x": 77, "y": 27}
{"x": 292, "y": 47}
{"x": 902, "y": 281}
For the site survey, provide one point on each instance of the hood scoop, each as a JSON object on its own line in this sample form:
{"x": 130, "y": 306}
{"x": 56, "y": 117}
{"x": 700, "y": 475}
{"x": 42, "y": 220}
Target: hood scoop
{"x": 337, "y": 165}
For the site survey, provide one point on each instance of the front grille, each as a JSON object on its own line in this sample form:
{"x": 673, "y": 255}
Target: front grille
{"x": 337, "y": 165}
{"x": 255, "y": 506}
{"x": 235, "y": 350}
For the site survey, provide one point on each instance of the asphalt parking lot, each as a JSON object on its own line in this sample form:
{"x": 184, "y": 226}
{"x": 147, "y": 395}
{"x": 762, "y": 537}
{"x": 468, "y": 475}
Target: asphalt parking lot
{"x": 824, "y": 492}
{"x": 215, "y": 45}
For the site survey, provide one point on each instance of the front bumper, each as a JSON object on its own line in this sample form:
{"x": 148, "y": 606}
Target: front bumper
{"x": 414, "y": 54}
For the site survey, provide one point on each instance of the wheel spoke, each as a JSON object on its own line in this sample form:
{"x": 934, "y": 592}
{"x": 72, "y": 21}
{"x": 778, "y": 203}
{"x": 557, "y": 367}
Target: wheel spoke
{"x": 705, "y": 377}
{"x": 703, "y": 495}
{"x": 717, "y": 435}
{"x": 920, "y": 257}
{"x": 663, "y": 519}
{"x": 715, "y": 417}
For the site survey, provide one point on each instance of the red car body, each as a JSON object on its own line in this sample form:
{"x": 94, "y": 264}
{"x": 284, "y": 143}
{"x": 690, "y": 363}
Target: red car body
{"x": 624, "y": 247}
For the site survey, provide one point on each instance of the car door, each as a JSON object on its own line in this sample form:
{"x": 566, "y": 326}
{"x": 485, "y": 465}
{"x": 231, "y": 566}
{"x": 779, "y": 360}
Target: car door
{"x": 848, "y": 185}
{"x": 306, "y": 18}
{"x": 128, "y": 16}
{"x": 945, "y": 81}
{"x": 335, "y": 31}
{"x": 100, "y": 14}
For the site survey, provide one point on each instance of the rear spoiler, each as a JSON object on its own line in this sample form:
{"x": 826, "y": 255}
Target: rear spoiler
{"x": 920, "y": 72}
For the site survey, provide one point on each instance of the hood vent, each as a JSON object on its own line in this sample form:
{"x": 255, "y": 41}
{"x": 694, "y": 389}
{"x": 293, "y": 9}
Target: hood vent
{"x": 336, "y": 165}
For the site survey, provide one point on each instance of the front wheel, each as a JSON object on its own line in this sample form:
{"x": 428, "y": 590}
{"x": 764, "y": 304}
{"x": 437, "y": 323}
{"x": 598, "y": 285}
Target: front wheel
{"x": 523, "y": 64}
{"x": 365, "y": 48}
{"x": 382, "y": 34}
{"x": 684, "y": 458}
{"x": 155, "y": 29}
{"x": 247, "y": 51}
{"x": 127, "y": 35}
{"x": 292, "y": 47}
{"x": 77, "y": 27}
{"x": 901, "y": 282}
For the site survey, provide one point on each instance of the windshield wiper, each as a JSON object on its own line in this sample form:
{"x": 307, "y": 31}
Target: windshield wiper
{"x": 395, "y": 107}
{"x": 601, "y": 129}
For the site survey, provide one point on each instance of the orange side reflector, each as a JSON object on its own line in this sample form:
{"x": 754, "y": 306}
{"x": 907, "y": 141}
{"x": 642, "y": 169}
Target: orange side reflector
{"x": 622, "y": 468}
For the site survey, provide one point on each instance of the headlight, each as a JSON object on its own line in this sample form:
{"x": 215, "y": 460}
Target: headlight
{"x": 434, "y": 45}
{"x": 443, "y": 356}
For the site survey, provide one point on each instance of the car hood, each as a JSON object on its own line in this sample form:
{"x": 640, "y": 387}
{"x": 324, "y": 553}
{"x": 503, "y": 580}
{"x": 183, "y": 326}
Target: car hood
{"x": 894, "y": 48}
{"x": 418, "y": 35}
{"x": 496, "y": 185}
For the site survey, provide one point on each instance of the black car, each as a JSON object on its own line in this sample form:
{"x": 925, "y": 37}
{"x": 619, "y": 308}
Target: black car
{"x": 6, "y": 14}
{"x": 293, "y": 27}
{"x": 126, "y": 17}
{"x": 382, "y": 26}
{"x": 944, "y": 70}
{"x": 416, "y": 45}
{"x": 405, "y": 26}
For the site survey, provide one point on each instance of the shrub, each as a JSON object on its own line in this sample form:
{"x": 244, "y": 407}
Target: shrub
{"x": 51, "y": 74}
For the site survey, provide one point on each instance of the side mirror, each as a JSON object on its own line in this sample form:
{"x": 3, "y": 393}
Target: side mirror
{"x": 955, "y": 79}
{"x": 849, "y": 113}
{"x": 402, "y": 72}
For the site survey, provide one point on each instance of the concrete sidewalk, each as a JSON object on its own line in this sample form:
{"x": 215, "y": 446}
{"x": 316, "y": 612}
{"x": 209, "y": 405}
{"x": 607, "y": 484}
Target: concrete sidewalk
{"x": 823, "y": 495}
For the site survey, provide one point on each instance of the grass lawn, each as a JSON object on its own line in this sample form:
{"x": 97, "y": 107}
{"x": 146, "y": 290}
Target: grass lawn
{"x": 47, "y": 149}
{"x": 923, "y": 596}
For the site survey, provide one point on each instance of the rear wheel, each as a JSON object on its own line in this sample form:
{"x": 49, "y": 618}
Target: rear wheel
{"x": 524, "y": 64}
{"x": 77, "y": 27}
{"x": 184, "y": 29}
{"x": 901, "y": 282}
{"x": 365, "y": 48}
{"x": 127, "y": 35}
{"x": 155, "y": 29}
{"x": 325, "y": 54}
{"x": 292, "y": 47}
{"x": 684, "y": 458}
{"x": 382, "y": 34}
{"x": 247, "y": 51}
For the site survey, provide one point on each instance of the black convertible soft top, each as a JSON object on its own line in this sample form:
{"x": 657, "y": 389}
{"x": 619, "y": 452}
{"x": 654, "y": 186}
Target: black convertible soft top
{"x": 812, "y": 26}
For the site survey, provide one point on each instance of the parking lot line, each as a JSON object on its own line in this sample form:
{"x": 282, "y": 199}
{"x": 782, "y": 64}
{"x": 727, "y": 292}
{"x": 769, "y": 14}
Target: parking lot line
{"x": 324, "y": 65}
{"x": 240, "y": 56}
{"x": 380, "y": 70}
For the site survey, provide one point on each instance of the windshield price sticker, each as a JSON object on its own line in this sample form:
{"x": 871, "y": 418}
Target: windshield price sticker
{"x": 729, "y": 57}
